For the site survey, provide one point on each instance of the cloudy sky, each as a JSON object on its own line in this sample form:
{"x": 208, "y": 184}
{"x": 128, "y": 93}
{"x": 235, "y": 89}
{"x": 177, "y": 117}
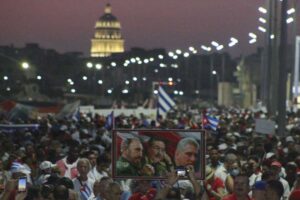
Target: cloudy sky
{"x": 68, "y": 25}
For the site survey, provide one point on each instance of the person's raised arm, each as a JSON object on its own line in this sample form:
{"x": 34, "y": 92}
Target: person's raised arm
{"x": 10, "y": 187}
{"x": 199, "y": 193}
{"x": 172, "y": 178}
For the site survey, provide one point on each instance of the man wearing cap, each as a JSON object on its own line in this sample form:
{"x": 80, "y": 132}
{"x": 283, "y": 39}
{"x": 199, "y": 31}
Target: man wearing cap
{"x": 259, "y": 190}
{"x": 276, "y": 169}
{"x": 290, "y": 150}
{"x": 46, "y": 170}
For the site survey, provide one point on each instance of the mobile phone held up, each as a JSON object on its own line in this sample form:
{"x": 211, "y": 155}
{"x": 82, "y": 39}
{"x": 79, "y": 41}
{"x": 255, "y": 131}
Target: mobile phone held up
{"x": 181, "y": 171}
{"x": 22, "y": 184}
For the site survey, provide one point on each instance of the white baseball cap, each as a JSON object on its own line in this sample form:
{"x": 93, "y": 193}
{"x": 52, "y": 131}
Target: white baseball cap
{"x": 46, "y": 165}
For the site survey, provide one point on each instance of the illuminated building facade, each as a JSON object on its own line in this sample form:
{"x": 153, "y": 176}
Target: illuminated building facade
{"x": 107, "y": 38}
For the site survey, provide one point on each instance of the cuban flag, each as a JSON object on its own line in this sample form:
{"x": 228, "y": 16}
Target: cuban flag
{"x": 18, "y": 167}
{"x": 85, "y": 192}
{"x": 110, "y": 121}
{"x": 210, "y": 122}
{"x": 165, "y": 102}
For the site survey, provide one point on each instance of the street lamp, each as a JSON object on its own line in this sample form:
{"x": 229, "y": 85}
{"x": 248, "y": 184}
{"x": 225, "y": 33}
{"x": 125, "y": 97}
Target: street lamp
{"x": 233, "y": 42}
{"x": 109, "y": 91}
{"x": 178, "y": 51}
{"x": 215, "y": 44}
{"x": 205, "y": 48}
{"x": 191, "y": 49}
{"x": 262, "y": 20}
{"x": 89, "y": 65}
{"x": 25, "y": 65}
{"x": 100, "y": 82}
{"x": 291, "y": 11}
{"x": 290, "y": 20}
{"x": 92, "y": 72}
{"x": 113, "y": 64}
{"x": 186, "y": 54}
{"x": 262, "y": 10}
{"x": 98, "y": 66}
{"x": 125, "y": 91}
{"x": 220, "y": 47}
{"x": 171, "y": 54}
{"x": 262, "y": 29}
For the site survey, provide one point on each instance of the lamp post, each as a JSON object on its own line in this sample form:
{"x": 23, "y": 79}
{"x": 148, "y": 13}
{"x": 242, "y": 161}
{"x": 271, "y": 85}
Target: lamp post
{"x": 218, "y": 48}
{"x": 282, "y": 70}
{"x": 28, "y": 71}
{"x": 94, "y": 67}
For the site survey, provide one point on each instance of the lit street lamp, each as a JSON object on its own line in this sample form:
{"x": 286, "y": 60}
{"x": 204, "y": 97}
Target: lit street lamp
{"x": 25, "y": 65}
{"x": 93, "y": 68}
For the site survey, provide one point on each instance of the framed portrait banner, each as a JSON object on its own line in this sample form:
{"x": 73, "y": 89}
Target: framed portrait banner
{"x": 152, "y": 154}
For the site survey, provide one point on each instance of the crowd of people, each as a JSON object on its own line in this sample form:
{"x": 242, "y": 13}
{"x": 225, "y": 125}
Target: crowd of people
{"x": 72, "y": 159}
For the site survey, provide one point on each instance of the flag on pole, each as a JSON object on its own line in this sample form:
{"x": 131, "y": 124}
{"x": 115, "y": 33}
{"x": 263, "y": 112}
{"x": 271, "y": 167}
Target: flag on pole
{"x": 69, "y": 110}
{"x": 110, "y": 121}
{"x": 209, "y": 122}
{"x": 165, "y": 102}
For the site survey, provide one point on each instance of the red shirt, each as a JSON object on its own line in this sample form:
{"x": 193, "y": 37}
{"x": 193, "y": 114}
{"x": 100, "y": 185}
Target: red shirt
{"x": 233, "y": 197}
{"x": 217, "y": 183}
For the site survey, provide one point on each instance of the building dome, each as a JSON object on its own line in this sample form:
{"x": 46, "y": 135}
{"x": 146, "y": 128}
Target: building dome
{"x": 107, "y": 38}
{"x": 107, "y": 14}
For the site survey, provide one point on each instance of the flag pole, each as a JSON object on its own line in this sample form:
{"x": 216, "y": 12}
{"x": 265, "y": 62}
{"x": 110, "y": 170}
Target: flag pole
{"x": 154, "y": 83}
{"x": 113, "y": 120}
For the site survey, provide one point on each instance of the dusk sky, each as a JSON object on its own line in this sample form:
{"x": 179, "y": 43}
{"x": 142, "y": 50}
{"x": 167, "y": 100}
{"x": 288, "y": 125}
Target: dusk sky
{"x": 68, "y": 25}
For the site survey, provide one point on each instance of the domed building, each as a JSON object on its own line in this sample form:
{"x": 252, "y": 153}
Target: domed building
{"x": 107, "y": 38}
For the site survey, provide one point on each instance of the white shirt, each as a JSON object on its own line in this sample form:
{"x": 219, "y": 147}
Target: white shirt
{"x": 95, "y": 175}
{"x": 286, "y": 188}
{"x": 254, "y": 177}
{"x": 87, "y": 186}
{"x": 222, "y": 173}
